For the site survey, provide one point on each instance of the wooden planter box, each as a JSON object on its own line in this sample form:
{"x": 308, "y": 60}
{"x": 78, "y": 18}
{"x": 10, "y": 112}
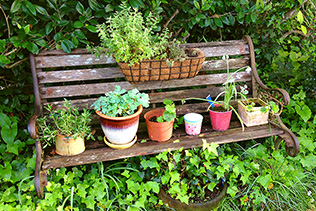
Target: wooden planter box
{"x": 159, "y": 70}
{"x": 256, "y": 116}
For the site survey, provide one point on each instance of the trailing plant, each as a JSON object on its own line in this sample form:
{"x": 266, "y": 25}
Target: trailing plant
{"x": 120, "y": 102}
{"x": 66, "y": 121}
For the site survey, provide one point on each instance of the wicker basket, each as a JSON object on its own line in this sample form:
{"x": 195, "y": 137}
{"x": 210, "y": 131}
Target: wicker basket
{"x": 158, "y": 70}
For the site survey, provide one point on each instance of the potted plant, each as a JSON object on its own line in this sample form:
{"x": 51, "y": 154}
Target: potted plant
{"x": 255, "y": 111}
{"x": 119, "y": 112}
{"x": 66, "y": 127}
{"x": 141, "y": 53}
{"x": 221, "y": 112}
{"x": 160, "y": 121}
{"x": 190, "y": 179}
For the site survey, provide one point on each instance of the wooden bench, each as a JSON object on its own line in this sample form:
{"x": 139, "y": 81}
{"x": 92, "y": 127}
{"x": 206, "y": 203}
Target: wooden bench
{"x": 82, "y": 77}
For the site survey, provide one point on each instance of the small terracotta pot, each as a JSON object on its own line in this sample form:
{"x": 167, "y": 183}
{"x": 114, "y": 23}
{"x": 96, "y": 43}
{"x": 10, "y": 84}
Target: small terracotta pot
{"x": 120, "y": 130}
{"x": 68, "y": 146}
{"x": 158, "y": 131}
{"x": 179, "y": 206}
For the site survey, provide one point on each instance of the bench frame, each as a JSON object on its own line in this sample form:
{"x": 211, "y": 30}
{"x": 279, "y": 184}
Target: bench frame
{"x": 275, "y": 127}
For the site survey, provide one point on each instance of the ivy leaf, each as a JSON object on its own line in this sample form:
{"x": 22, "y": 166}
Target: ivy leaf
{"x": 309, "y": 161}
{"x": 4, "y": 120}
{"x": 304, "y": 112}
{"x": 6, "y": 171}
{"x": 175, "y": 176}
{"x": 9, "y": 132}
{"x": 153, "y": 186}
{"x": 16, "y": 5}
{"x": 80, "y": 8}
{"x": 264, "y": 180}
{"x": 4, "y": 60}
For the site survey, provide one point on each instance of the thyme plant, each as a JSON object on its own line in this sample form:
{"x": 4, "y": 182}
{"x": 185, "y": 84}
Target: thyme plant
{"x": 68, "y": 121}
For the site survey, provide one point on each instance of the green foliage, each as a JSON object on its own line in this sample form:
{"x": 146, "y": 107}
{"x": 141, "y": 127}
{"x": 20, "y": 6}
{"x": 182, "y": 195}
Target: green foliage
{"x": 67, "y": 121}
{"x": 130, "y": 37}
{"x": 187, "y": 175}
{"x": 170, "y": 112}
{"x": 120, "y": 102}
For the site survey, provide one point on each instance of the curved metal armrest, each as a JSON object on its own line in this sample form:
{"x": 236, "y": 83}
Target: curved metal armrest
{"x": 31, "y": 127}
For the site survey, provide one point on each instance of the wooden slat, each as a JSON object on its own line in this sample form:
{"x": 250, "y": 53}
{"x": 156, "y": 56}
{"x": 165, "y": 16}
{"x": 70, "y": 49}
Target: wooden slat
{"x": 150, "y": 147}
{"x": 101, "y": 88}
{"x": 222, "y": 65}
{"x": 79, "y": 75}
{"x": 71, "y": 60}
{"x": 114, "y": 72}
{"x": 232, "y": 50}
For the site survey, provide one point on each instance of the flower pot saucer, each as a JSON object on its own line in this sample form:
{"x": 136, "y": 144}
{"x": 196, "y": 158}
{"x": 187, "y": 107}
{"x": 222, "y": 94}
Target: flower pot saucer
{"x": 120, "y": 146}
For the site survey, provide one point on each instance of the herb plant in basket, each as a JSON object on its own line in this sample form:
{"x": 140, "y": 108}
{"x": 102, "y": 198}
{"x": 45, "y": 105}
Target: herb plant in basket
{"x": 119, "y": 112}
{"x": 160, "y": 121}
{"x": 190, "y": 179}
{"x": 66, "y": 127}
{"x": 142, "y": 54}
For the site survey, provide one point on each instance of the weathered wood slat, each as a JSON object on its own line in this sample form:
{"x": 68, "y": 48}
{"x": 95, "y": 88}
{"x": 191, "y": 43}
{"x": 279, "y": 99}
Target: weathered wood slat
{"x": 114, "y": 72}
{"x": 150, "y": 147}
{"x": 79, "y": 75}
{"x": 233, "y": 50}
{"x": 71, "y": 60}
{"x": 101, "y": 88}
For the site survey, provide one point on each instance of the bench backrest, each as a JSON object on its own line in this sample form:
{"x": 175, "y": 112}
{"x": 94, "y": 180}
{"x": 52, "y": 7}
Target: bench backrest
{"x": 82, "y": 77}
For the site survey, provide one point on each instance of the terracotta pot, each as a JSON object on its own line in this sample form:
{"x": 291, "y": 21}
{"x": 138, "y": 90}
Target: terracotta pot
{"x": 256, "y": 116}
{"x": 120, "y": 130}
{"x": 220, "y": 120}
{"x": 158, "y": 131}
{"x": 179, "y": 206}
{"x": 158, "y": 70}
{"x": 68, "y": 146}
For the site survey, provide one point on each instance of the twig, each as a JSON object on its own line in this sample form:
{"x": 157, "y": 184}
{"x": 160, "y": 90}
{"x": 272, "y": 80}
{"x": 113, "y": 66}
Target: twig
{"x": 173, "y": 15}
{"x": 6, "y": 20}
{"x": 16, "y": 63}
{"x": 294, "y": 31}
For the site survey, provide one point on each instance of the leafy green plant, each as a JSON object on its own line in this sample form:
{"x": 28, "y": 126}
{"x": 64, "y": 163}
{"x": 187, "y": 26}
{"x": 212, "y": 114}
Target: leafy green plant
{"x": 120, "y": 102}
{"x": 66, "y": 121}
{"x": 170, "y": 112}
{"x": 189, "y": 175}
{"x": 131, "y": 38}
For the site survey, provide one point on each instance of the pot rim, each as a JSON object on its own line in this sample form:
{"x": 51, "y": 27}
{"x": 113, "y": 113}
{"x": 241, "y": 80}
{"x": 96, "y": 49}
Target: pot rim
{"x": 137, "y": 113}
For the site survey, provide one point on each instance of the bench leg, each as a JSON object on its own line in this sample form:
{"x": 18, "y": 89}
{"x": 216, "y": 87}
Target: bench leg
{"x": 292, "y": 145}
{"x": 40, "y": 179}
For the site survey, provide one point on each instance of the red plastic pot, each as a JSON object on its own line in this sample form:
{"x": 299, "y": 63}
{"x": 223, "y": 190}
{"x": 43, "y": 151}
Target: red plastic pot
{"x": 220, "y": 120}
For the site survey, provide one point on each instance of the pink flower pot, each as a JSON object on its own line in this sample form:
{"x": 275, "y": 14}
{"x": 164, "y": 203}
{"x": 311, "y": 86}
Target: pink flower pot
{"x": 220, "y": 120}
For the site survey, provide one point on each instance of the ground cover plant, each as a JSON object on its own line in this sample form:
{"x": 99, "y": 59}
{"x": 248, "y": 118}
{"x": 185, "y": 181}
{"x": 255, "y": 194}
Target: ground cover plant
{"x": 284, "y": 36}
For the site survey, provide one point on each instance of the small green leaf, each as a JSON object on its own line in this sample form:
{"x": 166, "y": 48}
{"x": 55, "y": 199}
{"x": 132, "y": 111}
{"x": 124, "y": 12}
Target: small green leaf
{"x": 80, "y": 8}
{"x": 92, "y": 28}
{"x": 30, "y": 7}
{"x": 32, "y": 47}
{"x": 218, "y": 22}
{"x": 4, "y": 60}
{"x": 309, "y": 161}
{"x": 52, "y": 4}
{"x": 4, "y": 120}
{"x": 137, "y": 3}
{"x": 49, "y": 28}
{"x": 94, "y": 5}
{"x": 300, "y": 17}
{"x": 66, "y": 45}
{"x": 78, "y": 24}
{"x": 16, "y": 5}
{"x": 197, "y": 4}
{"x": 41, "y": 10}
{"x": 264, "y": 180}
{"x": 304, "y": 30}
